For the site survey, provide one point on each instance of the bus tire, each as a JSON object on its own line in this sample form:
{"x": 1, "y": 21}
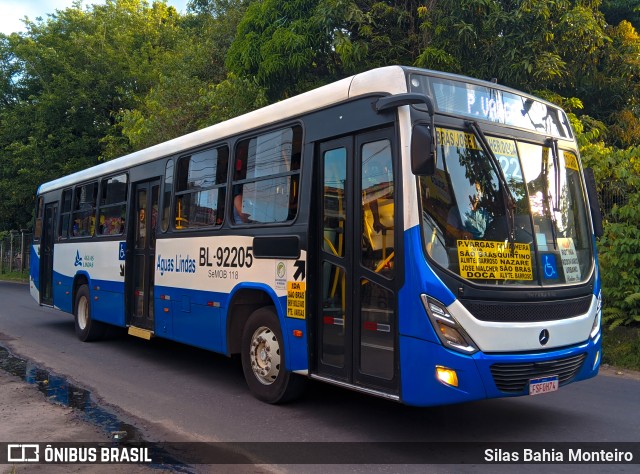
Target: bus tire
{"x": 86, "y": 328}
{"x": 263, "y": 359}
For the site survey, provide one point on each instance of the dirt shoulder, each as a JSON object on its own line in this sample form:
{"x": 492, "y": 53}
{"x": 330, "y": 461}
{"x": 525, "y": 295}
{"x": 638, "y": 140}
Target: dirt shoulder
{"x": 610, "y": 371}
{"x": 26, "y": 416}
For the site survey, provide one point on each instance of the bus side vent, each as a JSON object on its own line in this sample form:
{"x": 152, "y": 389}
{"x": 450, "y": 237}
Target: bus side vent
{"x": 514, "y": 378}
{"x": 527, "y": 312}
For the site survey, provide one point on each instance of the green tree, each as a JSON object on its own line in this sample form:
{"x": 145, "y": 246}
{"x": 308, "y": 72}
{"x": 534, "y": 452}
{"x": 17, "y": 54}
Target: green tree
{"x": 294, "y": 45}
{"x": 616, "y": 11}
{"x": 282, "y": 45}
{"x": 555, "y": 48}
{"x": 63, "y": 81}
{"x": 531, "y": 44}
{"x": 194, "y": 89}
{"x": 619, "y": 80}
{"x": 618, "y": 175}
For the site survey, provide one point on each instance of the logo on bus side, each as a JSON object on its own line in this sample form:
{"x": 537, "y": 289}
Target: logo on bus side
{"x": 281, "y": 275}
{"x": 177, "y": 264}
{"x": 85, "y": 262}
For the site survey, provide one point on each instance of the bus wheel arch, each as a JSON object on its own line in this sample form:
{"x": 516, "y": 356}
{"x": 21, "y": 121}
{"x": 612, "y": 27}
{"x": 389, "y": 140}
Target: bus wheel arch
{"x": 87, "y": 329}
{"x": 243, "y": 303}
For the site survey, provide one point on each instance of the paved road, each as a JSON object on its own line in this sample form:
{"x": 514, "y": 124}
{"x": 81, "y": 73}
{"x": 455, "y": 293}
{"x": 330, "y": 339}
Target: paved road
{"x": 177, "y": 393}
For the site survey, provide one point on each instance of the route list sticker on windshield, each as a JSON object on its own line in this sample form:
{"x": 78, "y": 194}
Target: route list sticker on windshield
{"x": 486, "y": 260}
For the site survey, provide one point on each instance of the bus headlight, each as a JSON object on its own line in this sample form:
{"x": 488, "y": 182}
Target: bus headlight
{"x": 451, "y": 334}
{"x": 595, "y": 329}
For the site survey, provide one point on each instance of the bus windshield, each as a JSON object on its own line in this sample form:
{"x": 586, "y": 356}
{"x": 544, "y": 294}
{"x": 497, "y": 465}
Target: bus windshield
{"x": 466, "y": 223}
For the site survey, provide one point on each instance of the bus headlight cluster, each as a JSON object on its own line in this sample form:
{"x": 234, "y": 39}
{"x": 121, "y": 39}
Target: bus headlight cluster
{"x": 595, "y": 329}
{"x": 451, "y": 334}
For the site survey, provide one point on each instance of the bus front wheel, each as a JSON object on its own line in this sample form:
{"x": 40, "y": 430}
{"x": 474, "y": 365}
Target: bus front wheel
{"x": 86, "y": 328}
{"x": 263, "y": 359}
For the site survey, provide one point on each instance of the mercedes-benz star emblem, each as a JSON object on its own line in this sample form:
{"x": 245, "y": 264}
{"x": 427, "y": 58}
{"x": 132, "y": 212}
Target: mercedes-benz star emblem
{"x": 543, "y": 337}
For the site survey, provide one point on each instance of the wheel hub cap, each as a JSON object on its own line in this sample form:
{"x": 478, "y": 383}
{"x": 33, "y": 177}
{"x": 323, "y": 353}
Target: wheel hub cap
{"x": 265, "y": 355}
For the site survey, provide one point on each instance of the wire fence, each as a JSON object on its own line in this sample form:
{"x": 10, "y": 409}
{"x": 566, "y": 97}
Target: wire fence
{"x": 14, "y": 252}
{"x": 612, "y": 194}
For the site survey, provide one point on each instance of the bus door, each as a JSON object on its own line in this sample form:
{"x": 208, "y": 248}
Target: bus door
{"x": 143, "y": 240}
{"x": 47, "y": 242}
{"x": 356, "y": 300}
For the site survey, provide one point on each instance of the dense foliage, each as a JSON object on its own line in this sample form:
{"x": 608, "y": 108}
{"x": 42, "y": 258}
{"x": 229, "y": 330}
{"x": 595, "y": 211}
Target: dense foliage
{"x": 91, "y": 83}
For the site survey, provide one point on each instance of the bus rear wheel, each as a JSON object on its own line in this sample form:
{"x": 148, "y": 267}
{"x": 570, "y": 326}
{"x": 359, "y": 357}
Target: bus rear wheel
{"x": 86, "y": 328}
{"x": 263, "y": 359}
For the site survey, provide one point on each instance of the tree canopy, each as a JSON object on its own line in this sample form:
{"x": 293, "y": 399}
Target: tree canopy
{"x": 87, "y": 84}
{"x": 91, "y": 83}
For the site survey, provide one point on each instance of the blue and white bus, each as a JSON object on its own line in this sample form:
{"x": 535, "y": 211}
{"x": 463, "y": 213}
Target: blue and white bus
{"x": 414, "y": 235}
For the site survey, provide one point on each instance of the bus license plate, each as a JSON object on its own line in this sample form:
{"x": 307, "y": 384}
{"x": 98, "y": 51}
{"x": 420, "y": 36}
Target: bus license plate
{"x": 544, "y": 385}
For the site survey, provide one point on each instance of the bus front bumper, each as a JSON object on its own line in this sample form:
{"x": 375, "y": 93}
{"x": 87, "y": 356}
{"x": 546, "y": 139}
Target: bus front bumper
{"x": 482, "y": 376}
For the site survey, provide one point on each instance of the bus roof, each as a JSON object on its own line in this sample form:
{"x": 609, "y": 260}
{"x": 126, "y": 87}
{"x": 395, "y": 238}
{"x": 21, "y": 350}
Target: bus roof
{"x": 389, "y": 79}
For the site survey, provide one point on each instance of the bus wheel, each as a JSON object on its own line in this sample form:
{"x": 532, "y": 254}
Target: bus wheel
{"x": 263, "y": 359}
{"x": 86, "y": 328}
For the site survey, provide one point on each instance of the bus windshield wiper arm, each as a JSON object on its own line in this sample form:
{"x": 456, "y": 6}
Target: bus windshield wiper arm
{"x": 553, "y": 204}
{"x": 509, "y": 200}
{"x": 553, "y": 144}
{"x": 548, "y": 200}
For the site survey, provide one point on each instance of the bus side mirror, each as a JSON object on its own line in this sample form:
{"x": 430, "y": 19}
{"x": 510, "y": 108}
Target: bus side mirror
{"x": 594, "y": 205}
{"x": 423, "y": 150}
{"x": 423, "y": 138}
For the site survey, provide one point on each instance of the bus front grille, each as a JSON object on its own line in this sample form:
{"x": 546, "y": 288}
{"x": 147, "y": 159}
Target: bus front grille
{"x": 527, "y": 312}
{"x": 514, "y": 378}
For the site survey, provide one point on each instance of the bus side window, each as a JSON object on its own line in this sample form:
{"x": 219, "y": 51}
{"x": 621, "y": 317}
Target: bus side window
{"x": 166, "y": 200}
{"x": 113, "y": 205}
{"x": 201, "y": 188}
{"x": 65, "y": 213}
{"x": 83, "y": 217}
{"x": 266, "y": 177}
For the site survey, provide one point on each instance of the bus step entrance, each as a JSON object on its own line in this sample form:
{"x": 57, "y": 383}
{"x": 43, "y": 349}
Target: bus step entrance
{"x": 141, "y": 333}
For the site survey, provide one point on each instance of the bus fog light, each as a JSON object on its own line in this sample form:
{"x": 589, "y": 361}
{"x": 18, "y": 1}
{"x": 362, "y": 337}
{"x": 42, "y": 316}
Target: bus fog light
{"x": 447, "y": 376}
{"x": 596, "y": 362}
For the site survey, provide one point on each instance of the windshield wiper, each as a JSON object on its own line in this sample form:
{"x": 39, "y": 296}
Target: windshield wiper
{"x": 548, "y": 199}
{"x": 553, "y": 144}
{"x": 507, "y": 197}
{"x": 553, "y": 204}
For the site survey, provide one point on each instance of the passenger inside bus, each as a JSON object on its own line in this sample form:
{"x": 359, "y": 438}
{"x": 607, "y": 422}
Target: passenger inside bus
{"x": 477, "y": 218}
{"x": 239, "y": 217}
{"x": 377, "y": 206}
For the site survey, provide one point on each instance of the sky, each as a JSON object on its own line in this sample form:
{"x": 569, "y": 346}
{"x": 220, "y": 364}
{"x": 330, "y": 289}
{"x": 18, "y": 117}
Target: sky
{"x": 12, "y": 11}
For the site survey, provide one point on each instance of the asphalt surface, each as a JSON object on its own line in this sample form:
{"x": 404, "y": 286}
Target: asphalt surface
{"x": 172, "y": 392}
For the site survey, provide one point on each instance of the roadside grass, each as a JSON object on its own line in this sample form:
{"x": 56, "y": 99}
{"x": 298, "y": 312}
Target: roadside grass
{"x": 621, "y": 346}
{"x": 22, "y": 277}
